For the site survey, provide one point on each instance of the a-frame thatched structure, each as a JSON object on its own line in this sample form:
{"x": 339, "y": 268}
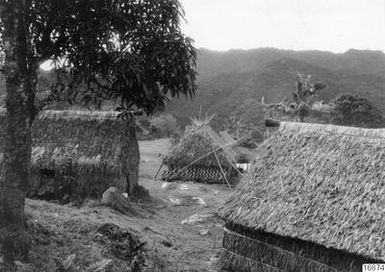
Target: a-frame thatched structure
{"x": 312, "y": 202}
{"x": 201, "y": 155}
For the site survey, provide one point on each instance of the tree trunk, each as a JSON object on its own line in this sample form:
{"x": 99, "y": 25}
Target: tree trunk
{"x": 17, "y": 149}
{"x": 133, "y": 157}
{"x": 302, "y": 112}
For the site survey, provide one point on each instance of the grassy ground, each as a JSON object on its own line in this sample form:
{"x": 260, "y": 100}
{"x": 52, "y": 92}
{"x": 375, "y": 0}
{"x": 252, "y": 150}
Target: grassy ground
{"x": 67, "y": 238}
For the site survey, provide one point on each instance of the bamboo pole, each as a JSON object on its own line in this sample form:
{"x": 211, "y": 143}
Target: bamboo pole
{"x": 157, "y": 173}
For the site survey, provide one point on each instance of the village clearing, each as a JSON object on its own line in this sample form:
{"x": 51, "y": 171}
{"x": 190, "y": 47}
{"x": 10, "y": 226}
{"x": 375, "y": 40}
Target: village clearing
{"x": 179, "y": 226}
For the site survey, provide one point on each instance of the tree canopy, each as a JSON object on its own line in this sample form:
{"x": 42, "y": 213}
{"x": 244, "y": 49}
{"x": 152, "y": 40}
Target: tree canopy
{"x": 353, "y": 110}
{"x": 130, "y": 51}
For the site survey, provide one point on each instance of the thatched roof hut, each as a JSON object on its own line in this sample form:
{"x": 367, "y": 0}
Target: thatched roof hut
{"x": 86, "y": 152}
{"x": 201, "y": 155}
{"x": 313, "y": 201}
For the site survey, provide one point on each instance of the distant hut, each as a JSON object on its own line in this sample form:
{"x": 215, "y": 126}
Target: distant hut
{"x": 313, "y": 201}
{"x": 200, "y": 155}
{"x": 81, "y": 153}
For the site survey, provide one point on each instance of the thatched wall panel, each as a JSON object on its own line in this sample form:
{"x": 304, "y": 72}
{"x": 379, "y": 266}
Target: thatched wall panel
{"x": 231, "y": 262}
{"x": 285, "y": 253}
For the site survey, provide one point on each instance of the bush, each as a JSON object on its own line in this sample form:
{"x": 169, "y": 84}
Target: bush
{"x": 163, "y": 125}
{"x": 353, "y": 110}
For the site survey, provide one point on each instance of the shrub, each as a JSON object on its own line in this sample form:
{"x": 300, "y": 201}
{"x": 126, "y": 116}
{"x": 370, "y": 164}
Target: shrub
{"x": 163, "y": 125}
{"x": 353, "y": 110}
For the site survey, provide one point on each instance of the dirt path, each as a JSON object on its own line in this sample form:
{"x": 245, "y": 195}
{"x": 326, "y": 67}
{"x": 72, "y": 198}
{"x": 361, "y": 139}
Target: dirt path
{"x": 176, "y": 246}
{"x": 179, "y": 224}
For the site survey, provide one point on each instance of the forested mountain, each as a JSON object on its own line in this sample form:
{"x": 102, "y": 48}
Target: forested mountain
{"x": 227, "y": 79}
{"x": 212, "y": 63}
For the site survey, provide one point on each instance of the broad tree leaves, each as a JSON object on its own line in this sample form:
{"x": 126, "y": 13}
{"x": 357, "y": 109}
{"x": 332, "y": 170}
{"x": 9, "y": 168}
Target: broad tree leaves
{"x": 132, "y": 51}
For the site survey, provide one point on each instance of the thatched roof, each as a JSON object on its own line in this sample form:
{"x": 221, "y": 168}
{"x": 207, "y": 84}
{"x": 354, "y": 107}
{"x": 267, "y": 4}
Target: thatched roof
{"x": 228, "y": 144}
{"x": 197, "y": 142}
{"x": 319, "y": 183}
{"x": 91, "y": 145}
{"x": 92, "y": 138}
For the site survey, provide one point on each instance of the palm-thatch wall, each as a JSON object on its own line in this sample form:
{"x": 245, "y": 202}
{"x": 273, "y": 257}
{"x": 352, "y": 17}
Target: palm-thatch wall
{"x": 201, "y": 155}
{"x": 313, "y": 201}
{"x": 81, "y": 153}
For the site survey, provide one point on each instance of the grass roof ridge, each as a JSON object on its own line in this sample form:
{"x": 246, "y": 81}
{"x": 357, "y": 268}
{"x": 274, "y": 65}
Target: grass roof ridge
{"x": 295, "y": 127}
{"x": 71, "y": 114}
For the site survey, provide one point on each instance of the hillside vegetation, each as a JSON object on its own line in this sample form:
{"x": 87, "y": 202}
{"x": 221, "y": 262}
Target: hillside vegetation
{"x": 227, "y": 79}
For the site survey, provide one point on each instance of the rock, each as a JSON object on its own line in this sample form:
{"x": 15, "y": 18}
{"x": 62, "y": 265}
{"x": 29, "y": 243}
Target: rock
{"x": 175, "y": 201}
{"x": 199, "y": 200}
{"x": 168, "y": 186}
{"x": 204, "y": 218}
{"x": 183, "y": 187}
{"x": 187, "y": 201}
{"x": 114, "y": 199}
{"x": 204, "y": 232}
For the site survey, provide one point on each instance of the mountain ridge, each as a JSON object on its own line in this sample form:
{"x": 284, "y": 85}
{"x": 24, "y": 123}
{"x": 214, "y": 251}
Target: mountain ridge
{"x": 360, "y": 61}
{"x": 227, "y": 79}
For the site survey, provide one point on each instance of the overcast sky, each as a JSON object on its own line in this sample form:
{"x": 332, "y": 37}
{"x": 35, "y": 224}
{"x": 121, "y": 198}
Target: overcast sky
{"x": 330, "y": 25}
